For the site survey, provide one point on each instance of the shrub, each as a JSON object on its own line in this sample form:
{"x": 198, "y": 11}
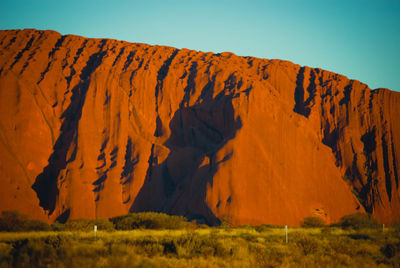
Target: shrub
{"x": 307, "y": 244}
{"x": 148, "y": 220}
{"x": 197, "y": 245}
{"x": 396, "y": 227}
{"x": 359, "y": 236}
{"x": 12, "y": 221}
{"x": 5, "y": 254}
{"x": 87, "y": 225}
{"x": 40, "y": 252}
{"x": 357, "y": 221}
{"x": 265, "y": 227}
{"x": 36, "y": 225}
{"x": 56, "y": 226}
{"x": 389, "y": 250}
{"x": 310, "y": 222}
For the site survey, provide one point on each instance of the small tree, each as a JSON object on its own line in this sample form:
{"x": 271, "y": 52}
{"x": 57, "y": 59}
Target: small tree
{"x": 310, "y": 222}
{"x": 12, "y": 221}
{"x": 357, "y": 221}
{"x": 36, "y": 225}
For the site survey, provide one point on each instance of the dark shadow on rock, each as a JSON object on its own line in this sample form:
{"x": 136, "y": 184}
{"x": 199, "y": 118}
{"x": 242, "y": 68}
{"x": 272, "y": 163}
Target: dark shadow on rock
{"x": 45, "y": 184}
{"x": 369, "y": 191}
{"x": 299, "y": 93}
{"x": 386, "y": 167}
{"x": 302, "y": 106}
{"x": 178, "y": 185}
{"x": 63, "y": 216}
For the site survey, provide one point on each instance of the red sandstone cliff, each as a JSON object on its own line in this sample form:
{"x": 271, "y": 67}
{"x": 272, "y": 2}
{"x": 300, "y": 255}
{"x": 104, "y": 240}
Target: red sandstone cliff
{"x": 98, "y": 127}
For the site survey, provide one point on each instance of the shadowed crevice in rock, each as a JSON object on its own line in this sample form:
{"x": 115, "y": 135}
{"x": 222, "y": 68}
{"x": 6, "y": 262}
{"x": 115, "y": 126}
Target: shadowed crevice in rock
{"x": 26, "y": 64}
{"x": 302, "y": 106}
{"x": 45, "y": 184}
{"x": 131, "y": 161}
{"x": 133, "y": 73}
{"x": 311, "y": 89}
{"x": 299, "y": 92}
{"x": 386, "y": 167}
{"x": 159, "y": 132}
{"x": 119, "y": 56}
{"x": 128, "y": 60}
{"x": 369, "y": 192}
{"x": 191, "y": 84}
{"x": 162, "y": 73}
{"x": 347, "y": 94}
{"x": 72, "y": 69}
{"x": 63, "y": 218}
{"x": 207, "y": 91}
{"x": 12, "y": 41}
{"x": 21, "y": 53}
{"x": 50, "y": 57}
{"x": 330, "y": 139}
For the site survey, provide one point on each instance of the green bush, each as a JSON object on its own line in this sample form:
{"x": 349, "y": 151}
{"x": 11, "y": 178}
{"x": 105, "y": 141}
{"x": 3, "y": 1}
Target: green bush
{"x": 56, "y": 226}
{"x": 36, "y": 225}
{"x": 148, "y": 220}
{"x": 396, "y": 227}
{"x": 310, "y": 222}
{"x": 12, "y": 221}
{"x": 357, "y": 221}
{"x": 87, "y": 225}
{"x": 307, "y": 244}
{"x": 197, "y": 245}
{"x": 5, "y": 254}
{"x": 265, "y": 227}
{"x": 389, "y": 250}
{"x": 40, "y": 252}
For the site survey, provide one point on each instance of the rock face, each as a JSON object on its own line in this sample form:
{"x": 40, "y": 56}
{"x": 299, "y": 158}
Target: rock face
{"x": 97, "y": 128}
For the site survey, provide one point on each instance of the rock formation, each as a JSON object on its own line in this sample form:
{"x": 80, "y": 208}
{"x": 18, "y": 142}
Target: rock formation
{"x": 98, "y": 128}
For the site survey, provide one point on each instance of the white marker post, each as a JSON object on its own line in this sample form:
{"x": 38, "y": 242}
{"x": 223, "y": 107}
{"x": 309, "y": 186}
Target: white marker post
{"x": 95, "y": 232}
{"x": 286, "y": 234}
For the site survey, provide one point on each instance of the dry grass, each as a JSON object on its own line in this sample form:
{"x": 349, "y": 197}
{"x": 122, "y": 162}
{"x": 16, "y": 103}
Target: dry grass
{"x": 207, "y": 247}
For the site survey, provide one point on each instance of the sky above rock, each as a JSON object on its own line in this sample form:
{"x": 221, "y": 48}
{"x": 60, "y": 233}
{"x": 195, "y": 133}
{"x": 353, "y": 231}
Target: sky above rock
{"x": 357, "y": 38}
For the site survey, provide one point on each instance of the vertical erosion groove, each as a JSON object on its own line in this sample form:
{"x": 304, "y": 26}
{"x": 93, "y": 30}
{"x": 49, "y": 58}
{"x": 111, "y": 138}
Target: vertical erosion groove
{"x": 369, "y": 193}
{"x": 302, "y": 106}
{"x": 45, "y": 184}
{"x": 26, "y": 64}
{"x": 50, "y": 57}
{"x": 311, "y": 89}
{"x": 72, "y": 69}
{"x": 162, "y": 73}
{"x": 299, "y": 92}
{"x": 190, "y": 87}
{"x": 396, "y": 176}
{"x": 386, "y": 167}
{"x": 21, "y": 53}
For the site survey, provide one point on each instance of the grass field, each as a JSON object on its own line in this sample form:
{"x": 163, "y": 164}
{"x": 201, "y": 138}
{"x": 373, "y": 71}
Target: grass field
{"x": 203, "y": 247}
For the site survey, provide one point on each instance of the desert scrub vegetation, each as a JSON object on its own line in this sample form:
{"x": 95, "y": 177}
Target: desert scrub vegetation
{"x": 309, "y": 222}
{"x": 189, "y": 245}
{"x": 13, "y": 221}
{"x": 357, "y": 221}
{"x": 148, "y": 220}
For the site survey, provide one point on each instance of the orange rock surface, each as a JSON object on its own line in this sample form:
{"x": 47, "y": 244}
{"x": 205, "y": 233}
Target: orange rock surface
{"x": 98, "y": 128}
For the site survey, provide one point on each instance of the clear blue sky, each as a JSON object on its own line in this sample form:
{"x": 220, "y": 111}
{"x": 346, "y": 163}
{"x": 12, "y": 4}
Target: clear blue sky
{"x": 357, "y": 38}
